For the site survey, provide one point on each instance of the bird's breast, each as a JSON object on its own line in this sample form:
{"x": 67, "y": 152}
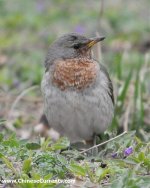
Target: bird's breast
{"x": 77, "y": 73}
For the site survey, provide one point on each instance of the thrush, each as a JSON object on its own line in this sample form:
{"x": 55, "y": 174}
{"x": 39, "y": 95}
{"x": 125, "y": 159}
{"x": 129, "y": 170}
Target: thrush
{"x": 77, "y": 90}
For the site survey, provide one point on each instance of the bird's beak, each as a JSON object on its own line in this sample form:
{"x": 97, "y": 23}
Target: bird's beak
{"x": 93, "y": 41}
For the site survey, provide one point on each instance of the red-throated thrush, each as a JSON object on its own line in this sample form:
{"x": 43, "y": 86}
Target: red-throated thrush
{"x": 77, "y": 90}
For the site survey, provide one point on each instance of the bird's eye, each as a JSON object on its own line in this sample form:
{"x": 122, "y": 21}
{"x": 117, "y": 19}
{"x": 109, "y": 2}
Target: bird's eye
{"x": 77, "y": 46}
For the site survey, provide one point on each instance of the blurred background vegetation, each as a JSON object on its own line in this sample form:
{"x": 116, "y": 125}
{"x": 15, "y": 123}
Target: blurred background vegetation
{"x": 27, "y": 28}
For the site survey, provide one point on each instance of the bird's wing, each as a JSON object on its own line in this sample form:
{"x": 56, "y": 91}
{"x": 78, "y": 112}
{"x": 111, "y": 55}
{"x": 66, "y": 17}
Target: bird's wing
{"x": 110, "y": 86}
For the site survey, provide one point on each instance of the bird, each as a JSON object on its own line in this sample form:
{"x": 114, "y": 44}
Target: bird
{"x": 77, "y": 89}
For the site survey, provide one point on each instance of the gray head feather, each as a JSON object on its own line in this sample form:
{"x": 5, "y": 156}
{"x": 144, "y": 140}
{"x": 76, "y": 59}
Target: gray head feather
{"x": 63, "y": 48}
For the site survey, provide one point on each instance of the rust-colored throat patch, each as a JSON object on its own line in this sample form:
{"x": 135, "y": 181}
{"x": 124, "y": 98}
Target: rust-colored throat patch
{"x": 77, "y": 73}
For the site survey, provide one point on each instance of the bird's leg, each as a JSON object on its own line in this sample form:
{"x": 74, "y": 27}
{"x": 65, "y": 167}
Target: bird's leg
{"x": 91, "y": 143}
{"x": 80, "y": 145}
{"x": 94, "y": 150}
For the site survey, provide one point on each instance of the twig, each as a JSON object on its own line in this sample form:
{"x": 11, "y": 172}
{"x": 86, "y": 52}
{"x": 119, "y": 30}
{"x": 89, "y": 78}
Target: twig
{"x": 126, "y": 117}
{"x": 19, "y": 97}
{"x": 8, "y": 124}
{"x": 101, "y": 10}
{"x": 125, "y": 132}
{"x": 99, "y": 49}
{"x": 145, "y": 68}
{"x": 26, "y": 99}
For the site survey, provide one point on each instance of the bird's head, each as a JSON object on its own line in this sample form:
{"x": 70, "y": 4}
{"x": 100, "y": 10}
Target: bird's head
{"x": 70, "y": 46}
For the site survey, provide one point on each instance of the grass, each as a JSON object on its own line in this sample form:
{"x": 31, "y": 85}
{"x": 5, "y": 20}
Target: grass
{"x": 42, "y": 160}
{"x": 27, "y": 29}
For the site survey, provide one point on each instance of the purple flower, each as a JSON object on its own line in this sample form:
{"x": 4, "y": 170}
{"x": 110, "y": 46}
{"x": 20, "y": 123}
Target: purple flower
{"x": 114, "y": 155}
{"x": 128, "y": 151}
{"x": 79, "y": 29}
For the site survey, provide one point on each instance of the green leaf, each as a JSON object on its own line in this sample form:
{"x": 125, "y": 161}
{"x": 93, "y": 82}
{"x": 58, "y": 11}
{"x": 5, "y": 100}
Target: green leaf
{"x": 33, "y": 146}
{"x": 62, "y": 143}
{"x": 27, "y": 165}
{"x": 62, "y": 159}
{"x": 11, "y": 142}
{"x": 1, "y": 155}
{"x": 135, "y": 159}
{"x": 48, "y": 176}
{"x": 2, "y": 121}
{"x": 99, "y": 171}
{"x": 77, "y": 169}
{"x": 1, "y": 137}
{"x": 147, "y": 162}
{"x": 102, "y": 172}
{"x": 45, "y": 143}
{"x": 122, "y": 96}
{"x": 9, "y": 164}
{"x": 141, "y": 156}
